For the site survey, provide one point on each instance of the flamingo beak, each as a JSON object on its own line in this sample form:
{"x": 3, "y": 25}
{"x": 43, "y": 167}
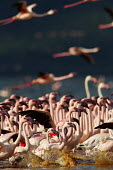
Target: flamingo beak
{"x": 72, "y": 125}
{"x": 65, "y": 130}
{"x": 107, "y": 86}
{"x": 94, "y": 80}
{"x": 76, "y": 120}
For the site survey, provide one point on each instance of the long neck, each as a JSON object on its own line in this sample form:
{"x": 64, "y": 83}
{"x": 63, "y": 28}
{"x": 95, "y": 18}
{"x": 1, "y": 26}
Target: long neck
{"x": 39, "y": 15}
{"x": 63, "y": 77}
{"x": 1, "y": 123}
{"x": 87, "y": 88}
{"x": 9, "y": 123}
{"x": 27, "y": 147}
{"x": 100, "y": 91}
{"x": 52, "y": 111}
{"x": 19, "y": 134}
{"x": 89, "y": 111}
{"x": 63, "y": 141}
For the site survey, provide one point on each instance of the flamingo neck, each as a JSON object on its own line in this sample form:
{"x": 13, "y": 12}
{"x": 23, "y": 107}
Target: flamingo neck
{"x": 100, "y": 91}
{"x": 19, "y": 134}
{"x": 27, "y": 144}
{"x": 87, "y": 88}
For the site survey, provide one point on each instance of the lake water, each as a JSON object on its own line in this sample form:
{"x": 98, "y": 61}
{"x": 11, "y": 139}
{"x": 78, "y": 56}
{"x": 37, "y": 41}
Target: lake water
{"x": 74, "y": 86}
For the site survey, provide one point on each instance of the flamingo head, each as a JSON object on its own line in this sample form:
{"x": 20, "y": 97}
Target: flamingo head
{"x": 52, "y": 11}
{"x": 93, "y": 79}
{"x": 103, "y": 85}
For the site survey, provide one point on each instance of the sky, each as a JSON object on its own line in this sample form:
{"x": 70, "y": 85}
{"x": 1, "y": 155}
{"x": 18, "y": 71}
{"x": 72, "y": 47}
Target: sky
{"x": 26, "y": 47}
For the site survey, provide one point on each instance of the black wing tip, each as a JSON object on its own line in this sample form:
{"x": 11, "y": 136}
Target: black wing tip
{"x": 40, "y": 74}
{"x": 108, "y": 125}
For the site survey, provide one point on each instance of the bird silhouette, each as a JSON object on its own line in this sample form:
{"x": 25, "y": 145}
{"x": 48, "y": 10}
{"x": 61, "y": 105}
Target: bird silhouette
{"x": 104, "y": 26}
{"x": 25, "y": 12}
{"x": 83, "y": 52}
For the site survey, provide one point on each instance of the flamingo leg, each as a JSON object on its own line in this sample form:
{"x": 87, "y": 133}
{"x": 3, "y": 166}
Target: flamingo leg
{"x": 104, "y": 26}
{"x": 6, "y": 21}
{"x": 22, "y": 86}
{"x": 60, "y": 54}
{"x": 74, "y": 4}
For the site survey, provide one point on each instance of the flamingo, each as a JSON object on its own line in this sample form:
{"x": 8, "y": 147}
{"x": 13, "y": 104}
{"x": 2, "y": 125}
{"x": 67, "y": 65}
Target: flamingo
{"x": 46, "y": 145}
{"x": 26, "y": 148}
{"x": 79, "y": 2}
{"x": 100, "y": 86}
{"x": 83, "y": 52}
{"x": 106, "y": 145}
{"x": 104, "y": 26}
{"x": 25, "y": 12}
{"x": 44, "y": 78}
{"x": 98, "y": 141}
{"x": 7, "y": 146}
{"x": 87, "y": 79}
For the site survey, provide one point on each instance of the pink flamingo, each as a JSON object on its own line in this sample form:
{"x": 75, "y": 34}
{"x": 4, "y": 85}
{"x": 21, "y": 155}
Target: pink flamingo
{"x": 7, "y": 146}
{"x": 27, "y": 144}
{"x": 83, "y": 52}
{"x": 46, "y": 145}
{"x": 78, "y": 3}
{"x": 107, "y": 144}
{"x": 104, "y": 26}
{"x": 44, "y": 78}
{"x": 25, "y": 13}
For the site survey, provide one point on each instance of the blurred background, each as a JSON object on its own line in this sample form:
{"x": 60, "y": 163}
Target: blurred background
{"x": 26, "y": 47}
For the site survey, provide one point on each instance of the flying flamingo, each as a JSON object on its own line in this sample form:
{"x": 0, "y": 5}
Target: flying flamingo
{"x": 79, "y": 2}
{"x": 44, "y": 78}
{"x": 83, "y": 52}
{"x": 104, "y": 26}
{"x": 25, "y": 13}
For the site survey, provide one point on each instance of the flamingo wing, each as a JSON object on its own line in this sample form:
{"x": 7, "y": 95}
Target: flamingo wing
{"x": 105, "y": 125}
{"x": 109, "y": 11}
{"x": 20, "y": 5}
{"x": 41, "y": 117}
{"x": 87, "y": 57}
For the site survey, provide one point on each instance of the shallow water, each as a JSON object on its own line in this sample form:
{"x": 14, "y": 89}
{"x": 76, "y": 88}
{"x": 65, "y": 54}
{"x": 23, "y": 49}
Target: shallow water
{"x": 74, "y": 86}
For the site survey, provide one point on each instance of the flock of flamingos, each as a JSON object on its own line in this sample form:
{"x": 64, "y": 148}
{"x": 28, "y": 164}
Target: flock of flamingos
{"x": 47, "y": 123}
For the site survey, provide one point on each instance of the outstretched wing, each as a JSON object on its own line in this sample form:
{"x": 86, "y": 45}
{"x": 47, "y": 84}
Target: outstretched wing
{"x": 20, "y": 5}
{"x": 109, "y": 11}
{"x": 87, "y": 57}
{"x": 105, "y": 125}
{"x": 41, "y": 117}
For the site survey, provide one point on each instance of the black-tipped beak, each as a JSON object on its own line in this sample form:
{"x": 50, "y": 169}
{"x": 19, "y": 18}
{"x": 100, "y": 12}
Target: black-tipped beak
{"x": 56, "y": 132}
{"x": 72, "y": 125}
{"x": 65, "y": 130}
{"x": 76, "y": 120}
